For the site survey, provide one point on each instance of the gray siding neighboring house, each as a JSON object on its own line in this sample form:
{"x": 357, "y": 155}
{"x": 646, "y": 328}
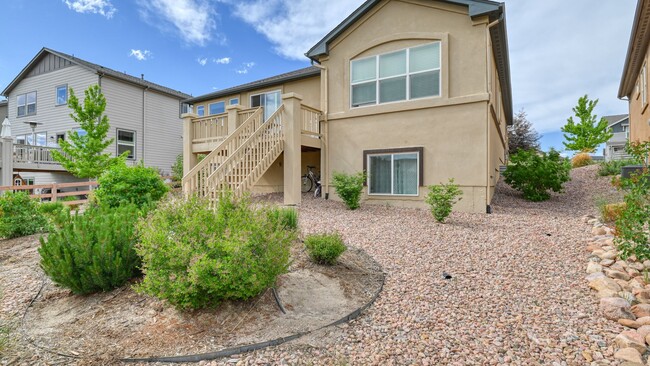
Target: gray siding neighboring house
{"x": 619, "y": 125}
{"x": 140, "y": 110}
{"x": 3, "y": 110}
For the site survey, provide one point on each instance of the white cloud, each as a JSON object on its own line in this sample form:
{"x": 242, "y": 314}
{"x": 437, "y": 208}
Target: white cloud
{"x": 141, "y": 55}
{"x": 102, "y": 7}
{"x": 222, "y": 61}
{"x": 294, "y": 26}
{"x": 245, "y": 67}
{"x": 193, "y": 20}
{"x": 202, "y": 61}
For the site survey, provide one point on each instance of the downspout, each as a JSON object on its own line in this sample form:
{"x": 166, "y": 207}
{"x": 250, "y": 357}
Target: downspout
{"x": 325, "y": 135}
{"x": 488, "y": 63}
{"x": 144, "y": 104}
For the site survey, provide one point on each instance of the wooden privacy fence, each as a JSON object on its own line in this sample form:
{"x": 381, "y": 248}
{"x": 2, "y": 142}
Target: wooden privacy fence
{"x": 54, "y": 188}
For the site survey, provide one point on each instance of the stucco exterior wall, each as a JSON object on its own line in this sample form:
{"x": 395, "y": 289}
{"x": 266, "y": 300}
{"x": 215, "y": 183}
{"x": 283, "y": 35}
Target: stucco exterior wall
{"x": 639, "y": 112}
{"x": 452, "y": 129}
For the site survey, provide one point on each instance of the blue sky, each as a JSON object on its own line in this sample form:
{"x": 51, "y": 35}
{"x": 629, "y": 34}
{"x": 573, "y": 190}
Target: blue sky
{"x": 559, "y": 50}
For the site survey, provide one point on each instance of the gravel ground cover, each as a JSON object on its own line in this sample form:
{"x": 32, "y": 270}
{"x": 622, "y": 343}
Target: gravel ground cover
{"x": 517, "y": 295}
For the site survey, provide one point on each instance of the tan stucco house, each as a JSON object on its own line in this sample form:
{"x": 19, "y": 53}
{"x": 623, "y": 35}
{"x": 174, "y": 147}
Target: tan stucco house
{"x": 414, "y": 92}
{"x": 144, "y": 116}
{"x": 634, "y": 81}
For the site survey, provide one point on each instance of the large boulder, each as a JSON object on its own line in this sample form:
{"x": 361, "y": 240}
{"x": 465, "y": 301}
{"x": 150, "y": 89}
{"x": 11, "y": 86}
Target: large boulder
{"x": 604, "y": 283}
{"x": 632, "y": 339}
{"x": 615, "y": 308}
{"x": 641, "y": 310}
{"x": 629, "y": 354}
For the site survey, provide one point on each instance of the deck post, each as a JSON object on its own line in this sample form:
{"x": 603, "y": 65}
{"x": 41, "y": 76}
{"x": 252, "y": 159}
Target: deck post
{"x": 189, "y": 158}
{"x": 292, "y": 148}
{"x": 7, "y": 156}
{"x": 233, "y": 115}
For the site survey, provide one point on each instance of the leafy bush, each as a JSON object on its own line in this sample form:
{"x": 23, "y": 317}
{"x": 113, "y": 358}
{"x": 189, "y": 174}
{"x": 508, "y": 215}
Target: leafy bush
{"x": 285, "y": 217}
{"x": 195, "y": 255}
{"x": 534, "y": 174}
{"x": 19, "y": 215}
{"x": 581, "y": 159}
{"x": 55, "y": 213}
{"x": 325, "y": 248}
{"x": 442, "y": 198}
{"x": 632, "y": 225}
{"x": 349, "y": 188}
{"x": 122, "y": 184}
{"x": 94, "y": 251}
{"x": 612, "y": 211}
{"x": 614, "y": 167}
{"x": 177, "y": 169}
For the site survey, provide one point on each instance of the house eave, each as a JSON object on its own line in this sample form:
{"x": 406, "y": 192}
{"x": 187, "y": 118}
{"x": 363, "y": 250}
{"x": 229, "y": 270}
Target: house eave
{"x": 636, "y": 50}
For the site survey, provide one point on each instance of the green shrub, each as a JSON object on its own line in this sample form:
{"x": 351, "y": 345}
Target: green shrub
{"x": 325, "y": 248}
{"x": 442, "y": 198}
{"x": 633, "y": 237}
{"x": 614, "y": 167}
{"x": 534, "y": 174}
{"x": 93, "y": 251}
{"x": 285, "y": 217}
{"x": 349, "y": 188}
{"x": 177, "y": 169}
{"x": 19, "y": 215}
{"x": 123, "y": 184}
{"x": 55, "y": 213}
{"x": 196, "y": 256}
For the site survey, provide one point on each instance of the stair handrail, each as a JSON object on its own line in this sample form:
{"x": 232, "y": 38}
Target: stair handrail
{"x": 243, "y": 146}
{"x": 222, "y": 146}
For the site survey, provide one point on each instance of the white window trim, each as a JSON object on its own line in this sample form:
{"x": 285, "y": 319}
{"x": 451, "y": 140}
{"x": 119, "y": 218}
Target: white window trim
{"x": 231, "y": 103}
{"x": 56, "y": 95}
{"x": 644, "y": 86}
{"x": 377, "y": 79}
{"x": 118, "y": 143}
{"x": 392, "y": 172}
{"x": 250, "y": 98}
{"x": 197, "y": 110}
{"x": 26, "y": 105}
{"x": 216, "y": 114}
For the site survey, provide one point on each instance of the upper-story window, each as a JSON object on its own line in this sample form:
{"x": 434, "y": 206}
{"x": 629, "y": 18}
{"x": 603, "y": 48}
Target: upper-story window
{"x": 406, "y": 74}
{"x": 26, "y": 104}
{"x": 217, "y": 108}
{"x": 234, "y": 101}
{"x": 61, "y": 95}
{"x": 200, "y": 111}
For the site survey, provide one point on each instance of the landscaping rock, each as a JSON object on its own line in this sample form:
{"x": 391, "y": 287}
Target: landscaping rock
{"x": 594, "y": 267}
{"x": 598, "y": 231}
{"x": 629, "y": 323}
{"x": 629, "y": 354}
{"x": 607, "y": 262}
{"x": 641, "y": 310}
{"x": 607, "y": 293}
{"x": 609, "y": 255}
{"x": 644, "y": 320}
{"x": 636, "y": 265}
{"x": 615, "y": 308}
{"x": 617, "y": 275}
{"x": 604, "y": 283}
{"x": 643, "y": 330}
{"x": 632, "y": 339}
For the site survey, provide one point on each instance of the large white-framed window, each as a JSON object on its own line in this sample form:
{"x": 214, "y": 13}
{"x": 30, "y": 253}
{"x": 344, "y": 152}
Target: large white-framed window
{"x": 394, "y": 172}
{"x": 126, "y": 142}
{"x": 26, "y": 104}
{"x": 35, "y": 139}
{"x": 271, "y": 101}
{"x": 217, "y": 108}
{"x": 407, "y": 74}
{"x": 62, "y": 95}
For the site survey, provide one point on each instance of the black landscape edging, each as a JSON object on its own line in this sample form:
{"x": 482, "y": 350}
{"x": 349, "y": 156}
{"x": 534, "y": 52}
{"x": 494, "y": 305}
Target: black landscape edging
{"x": 258, "y": 346}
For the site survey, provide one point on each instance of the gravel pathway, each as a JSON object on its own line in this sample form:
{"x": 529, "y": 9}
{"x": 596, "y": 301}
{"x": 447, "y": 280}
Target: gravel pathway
{"x": 517, "y": 296}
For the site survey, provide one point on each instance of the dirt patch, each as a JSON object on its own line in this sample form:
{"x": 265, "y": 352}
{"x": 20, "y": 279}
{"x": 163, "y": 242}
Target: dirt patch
{"x": 104, "y": 327}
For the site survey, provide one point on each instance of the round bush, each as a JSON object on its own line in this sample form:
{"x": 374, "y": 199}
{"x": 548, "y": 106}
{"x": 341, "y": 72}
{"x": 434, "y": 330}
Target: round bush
{"x": 195, "y": 255}
{"x": 93, "y": 251}
{"x": 325, "y": 248}
{"x": 535, "y": 174}
{"x": 580, "y": 160}
{"x": 19, "y": 215}
{"x": 349, "y": 187}
{"x": 123, "y": 184}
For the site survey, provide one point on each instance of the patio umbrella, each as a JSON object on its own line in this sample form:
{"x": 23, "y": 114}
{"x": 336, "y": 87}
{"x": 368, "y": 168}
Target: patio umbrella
{"x": 6, "y": 128}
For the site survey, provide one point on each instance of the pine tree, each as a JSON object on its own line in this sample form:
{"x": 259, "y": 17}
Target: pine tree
{"x": 522, "y": 135}
{"x": 590, "y": 132}
{"x": 83, "y": 154}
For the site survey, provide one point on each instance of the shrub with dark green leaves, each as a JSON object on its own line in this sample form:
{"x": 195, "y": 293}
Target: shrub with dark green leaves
{"x": 93, "y": 251}
{"x": 19, "y": 215}
{"x": 614, "y": 167}
{"x": 349, "y": 188}
{"x": 535, "y": 174}
{"x": 441, "y": 198}
{"x": 286, "y": 217}
{"x": 177, "y": 169}
{"x": 325, "y": 248}
{"x": 195, "y": 255}
{"x": 123, "y": 184}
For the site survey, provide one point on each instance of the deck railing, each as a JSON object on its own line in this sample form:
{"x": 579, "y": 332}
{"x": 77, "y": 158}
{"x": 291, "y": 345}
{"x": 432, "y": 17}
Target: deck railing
{"x": 55, "y": 191}
{"x": 34, "y": 154}
{"x": 210, "y": 129}
{"x": 310, "y": 120}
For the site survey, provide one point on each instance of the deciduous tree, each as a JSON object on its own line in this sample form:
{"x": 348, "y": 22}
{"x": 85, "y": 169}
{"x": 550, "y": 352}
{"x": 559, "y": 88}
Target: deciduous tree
{"x": 586, "y": 135}
{"x": 522, "y": 134}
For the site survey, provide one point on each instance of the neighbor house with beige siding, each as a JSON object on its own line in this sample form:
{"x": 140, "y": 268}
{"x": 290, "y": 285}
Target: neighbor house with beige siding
{"x": 144, "y": 116}
{"x": 413, "y": 92}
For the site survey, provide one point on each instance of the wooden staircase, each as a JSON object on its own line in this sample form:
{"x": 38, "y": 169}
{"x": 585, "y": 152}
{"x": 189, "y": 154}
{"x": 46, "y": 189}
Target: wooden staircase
{"x": 241, "y": 159}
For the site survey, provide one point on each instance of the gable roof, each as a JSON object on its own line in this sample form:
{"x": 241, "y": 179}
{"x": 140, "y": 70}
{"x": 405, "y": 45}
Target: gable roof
{"x": 615, "y": 119}
{"x": 273, "y": 80}
{"x": 95, "y": 68}
{"x": 636, "y": 49}
{"x": 494, "y": 10}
